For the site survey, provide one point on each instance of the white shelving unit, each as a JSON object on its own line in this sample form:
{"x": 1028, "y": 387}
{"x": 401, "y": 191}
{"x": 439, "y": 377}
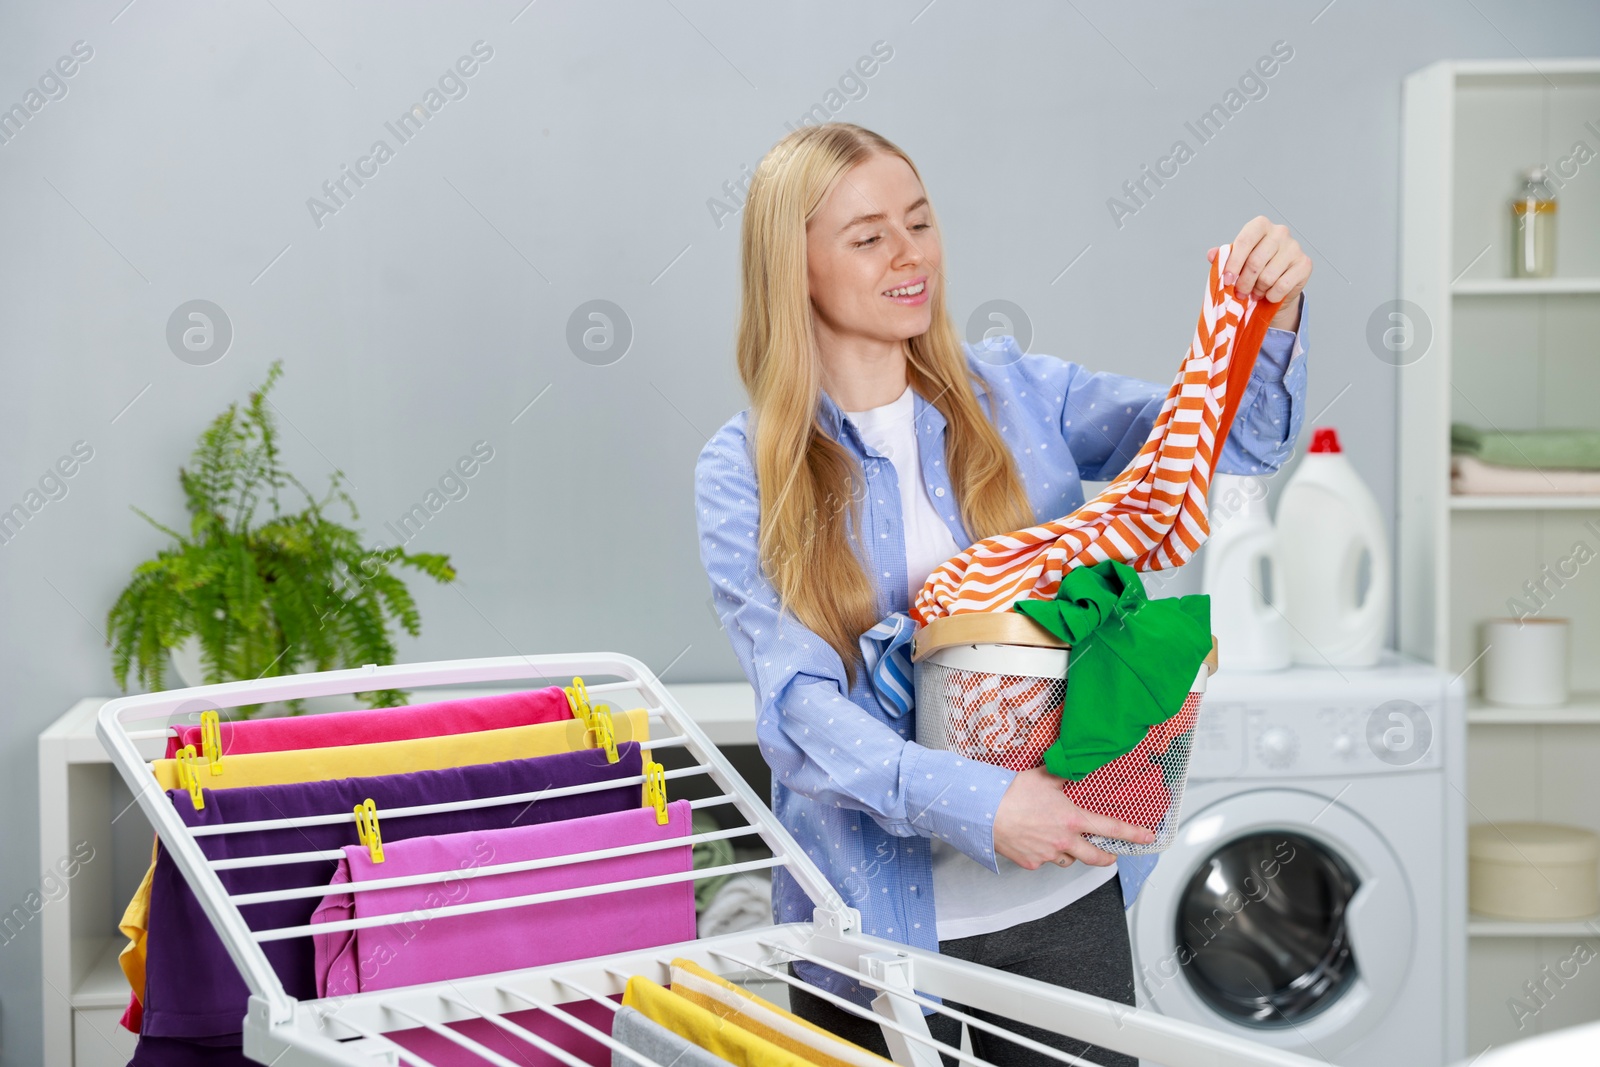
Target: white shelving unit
{"x": 85, "y": 992}
{"x": 1531, "y": 502}
{"x": 1506, "y": 353}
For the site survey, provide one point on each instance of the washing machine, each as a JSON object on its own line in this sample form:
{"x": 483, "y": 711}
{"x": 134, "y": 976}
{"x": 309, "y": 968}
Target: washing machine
{"x": 1314, "y": 897}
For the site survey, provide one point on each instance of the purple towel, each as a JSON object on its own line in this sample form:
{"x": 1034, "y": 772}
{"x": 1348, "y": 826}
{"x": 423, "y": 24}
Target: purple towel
{"x": 192, "y": 988}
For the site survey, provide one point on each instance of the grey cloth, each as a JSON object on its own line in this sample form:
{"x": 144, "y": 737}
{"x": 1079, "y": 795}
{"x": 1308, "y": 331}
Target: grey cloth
{"x": 1083, "y": 946}
{"x": 655, "y": 1042}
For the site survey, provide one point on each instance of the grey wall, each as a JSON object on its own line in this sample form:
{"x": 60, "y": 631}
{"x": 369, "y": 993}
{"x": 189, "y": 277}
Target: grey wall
{"x": 431, "y": 309}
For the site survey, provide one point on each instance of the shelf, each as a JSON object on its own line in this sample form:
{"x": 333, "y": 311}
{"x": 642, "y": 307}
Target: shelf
{"x": 1483, "y": 926}
{"x": 1525, "y": 286}
{"x": 1524, "y": 502}
{"x": 104, "y": 986}
{"x": 1581, "y": 710}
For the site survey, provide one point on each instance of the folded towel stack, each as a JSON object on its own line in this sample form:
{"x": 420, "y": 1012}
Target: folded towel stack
{"x": 1552, "y": 462}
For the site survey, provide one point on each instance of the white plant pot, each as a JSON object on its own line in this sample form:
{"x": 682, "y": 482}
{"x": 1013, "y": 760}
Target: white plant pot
{"x": 191, "y": 672}
{"x": 186, "y": 661}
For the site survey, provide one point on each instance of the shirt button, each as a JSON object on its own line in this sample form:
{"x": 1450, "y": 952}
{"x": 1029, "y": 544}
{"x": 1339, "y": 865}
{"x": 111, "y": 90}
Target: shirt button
{"x": 939, "y": 491}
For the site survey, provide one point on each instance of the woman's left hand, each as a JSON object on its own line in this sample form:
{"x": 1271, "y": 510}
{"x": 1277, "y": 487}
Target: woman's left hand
{"x": 1270, "y": 266}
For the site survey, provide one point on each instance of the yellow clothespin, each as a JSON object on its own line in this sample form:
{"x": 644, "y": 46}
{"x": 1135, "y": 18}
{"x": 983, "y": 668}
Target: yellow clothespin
{"x": 578, "y": 701}
{"x": 604, "y": 731}
{"x": 189, "y": 776}
{"x": 367, "y": 829}
{"x": 211, "y": 739}
{"x": 655, "y": 790}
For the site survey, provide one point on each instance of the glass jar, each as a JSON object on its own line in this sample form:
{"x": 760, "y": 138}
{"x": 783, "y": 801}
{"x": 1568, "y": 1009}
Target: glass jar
{"x": 1533, "y": 227}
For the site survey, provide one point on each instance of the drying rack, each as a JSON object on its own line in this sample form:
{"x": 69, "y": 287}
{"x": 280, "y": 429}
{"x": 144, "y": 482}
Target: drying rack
{"x": 349, "y": 1030}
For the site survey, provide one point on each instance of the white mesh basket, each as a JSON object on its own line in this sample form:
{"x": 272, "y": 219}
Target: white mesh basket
{"x": 1001, "y": 703}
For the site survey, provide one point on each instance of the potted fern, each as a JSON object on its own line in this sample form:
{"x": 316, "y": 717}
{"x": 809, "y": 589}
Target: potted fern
{"x": 262, "y": 591}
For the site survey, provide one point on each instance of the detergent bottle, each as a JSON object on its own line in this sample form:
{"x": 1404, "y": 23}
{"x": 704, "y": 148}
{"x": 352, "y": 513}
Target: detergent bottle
{"x": 1240, "y": 572}
{"x": 1328, "y": 521}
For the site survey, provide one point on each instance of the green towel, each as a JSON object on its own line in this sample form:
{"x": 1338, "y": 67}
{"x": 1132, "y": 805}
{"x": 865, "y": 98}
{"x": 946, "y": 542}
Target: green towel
{"x": 1532, "y": 449}
{"x": 1133, "y": 660}
{"x": 717, "y": 853}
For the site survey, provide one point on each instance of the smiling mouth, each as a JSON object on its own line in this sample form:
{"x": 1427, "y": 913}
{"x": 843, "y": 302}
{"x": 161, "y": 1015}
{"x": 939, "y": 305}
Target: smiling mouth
{"x": 908, "y": 290}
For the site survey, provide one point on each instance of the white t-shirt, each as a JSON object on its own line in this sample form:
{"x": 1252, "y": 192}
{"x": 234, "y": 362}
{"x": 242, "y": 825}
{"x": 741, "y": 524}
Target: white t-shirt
{"x": 969, "y": 898}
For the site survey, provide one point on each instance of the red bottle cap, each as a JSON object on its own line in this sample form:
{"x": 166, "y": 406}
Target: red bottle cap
{"x": 1325, "y": 439}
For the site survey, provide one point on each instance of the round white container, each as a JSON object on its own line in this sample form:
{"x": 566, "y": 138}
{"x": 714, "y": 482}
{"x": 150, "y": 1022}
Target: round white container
{"x": 1533, "y": 870}
{"x": 1525, "y": 662}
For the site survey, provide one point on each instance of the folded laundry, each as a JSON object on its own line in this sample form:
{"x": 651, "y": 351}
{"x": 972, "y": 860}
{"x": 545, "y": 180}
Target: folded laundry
{"x": 744, "y": 902}
{"x": 739, "y": 1006}
{"x": 633, "y": 1029}
{"x": 428, "y": 948}
{"x": 1132, "y": 663}
{"x": 1470, "y": 475}
{"x": 689, "y": 1020}
{"x": 192, "y": 988}
{"x": 369, "y": 725}
{"x": 399, "y": 757}
{"x": 1538, "y": 449}
{"x": 718, "y": 853}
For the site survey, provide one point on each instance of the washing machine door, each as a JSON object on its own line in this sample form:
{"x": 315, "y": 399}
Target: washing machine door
{"x": 1278, "y": 915}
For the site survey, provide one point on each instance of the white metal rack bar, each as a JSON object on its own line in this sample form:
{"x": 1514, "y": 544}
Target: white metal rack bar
{"x": 357, "y": 1030}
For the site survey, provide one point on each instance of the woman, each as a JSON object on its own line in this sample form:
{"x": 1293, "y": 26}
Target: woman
{"x": 876, "y": 447}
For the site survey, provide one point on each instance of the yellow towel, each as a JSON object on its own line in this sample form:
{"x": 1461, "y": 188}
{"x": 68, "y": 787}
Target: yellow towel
{"x": 135, "y": 926}
{"x": 766, "y": 1020}
{"x": 402, "y": 757}
{"x": 688, "y": 1020}
{"x": 364, "y": 761}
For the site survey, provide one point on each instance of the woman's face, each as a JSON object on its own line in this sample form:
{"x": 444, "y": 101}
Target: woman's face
{"x": 874, "y": 234}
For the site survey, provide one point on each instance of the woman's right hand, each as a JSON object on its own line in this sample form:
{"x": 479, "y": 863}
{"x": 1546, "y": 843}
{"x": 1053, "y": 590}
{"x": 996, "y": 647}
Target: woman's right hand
{"x": 1037, "y": 824}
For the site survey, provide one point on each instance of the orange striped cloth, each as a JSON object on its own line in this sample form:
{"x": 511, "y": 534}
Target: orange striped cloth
{"x": 1153, "y": 516}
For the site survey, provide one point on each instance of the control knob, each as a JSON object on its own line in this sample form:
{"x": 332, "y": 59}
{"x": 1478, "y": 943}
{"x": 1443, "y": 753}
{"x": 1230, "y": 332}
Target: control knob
{"x": 1277, "y": 747}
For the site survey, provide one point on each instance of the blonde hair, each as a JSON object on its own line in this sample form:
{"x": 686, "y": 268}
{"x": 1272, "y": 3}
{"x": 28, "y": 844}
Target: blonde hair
{"x": 805, "y": 479}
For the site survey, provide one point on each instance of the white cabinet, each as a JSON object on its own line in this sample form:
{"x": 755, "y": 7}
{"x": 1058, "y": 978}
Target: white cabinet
{"x": 84, "y": 991}
{"x": 1503, "y": 353}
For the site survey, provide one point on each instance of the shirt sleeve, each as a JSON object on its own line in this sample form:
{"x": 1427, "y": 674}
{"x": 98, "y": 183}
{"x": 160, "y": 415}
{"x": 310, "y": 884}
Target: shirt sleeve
{"x": 1106, "y": 418}
{"x": 1273, "y": 407}
{"x": 817, "y": 741}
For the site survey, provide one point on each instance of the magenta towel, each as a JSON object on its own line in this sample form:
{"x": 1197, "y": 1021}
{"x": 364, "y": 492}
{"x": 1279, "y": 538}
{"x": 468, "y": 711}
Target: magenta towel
{"x": 439, "y": 1051}
{"x": 427, "y": 949}
{"x": 442, "y": 1052}
{"x": 384, "y": 724}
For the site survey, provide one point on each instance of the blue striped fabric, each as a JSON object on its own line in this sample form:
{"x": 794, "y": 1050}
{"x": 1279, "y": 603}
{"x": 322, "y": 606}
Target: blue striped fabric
{"x": 886, "y": 651}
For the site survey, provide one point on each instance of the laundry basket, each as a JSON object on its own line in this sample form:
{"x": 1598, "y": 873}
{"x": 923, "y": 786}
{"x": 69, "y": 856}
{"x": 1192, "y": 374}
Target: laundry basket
{"x": 990, "y": 686}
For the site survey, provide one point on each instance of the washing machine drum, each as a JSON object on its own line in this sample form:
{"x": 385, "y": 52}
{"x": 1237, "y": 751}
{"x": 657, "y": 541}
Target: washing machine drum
{"x": 1290, "y": 958}
{"x": 1279, "y": 915}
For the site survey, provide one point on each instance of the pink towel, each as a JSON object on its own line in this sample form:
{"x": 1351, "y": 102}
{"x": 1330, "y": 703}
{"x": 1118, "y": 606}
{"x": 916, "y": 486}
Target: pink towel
{"x": 427, "y": 949}
{"x": 1469, "y": 475}
{"x": 384, "y": 724}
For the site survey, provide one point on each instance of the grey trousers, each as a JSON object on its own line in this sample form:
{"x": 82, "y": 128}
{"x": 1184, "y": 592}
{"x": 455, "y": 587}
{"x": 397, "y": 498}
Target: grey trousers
{"x": 1084, "y": 946}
